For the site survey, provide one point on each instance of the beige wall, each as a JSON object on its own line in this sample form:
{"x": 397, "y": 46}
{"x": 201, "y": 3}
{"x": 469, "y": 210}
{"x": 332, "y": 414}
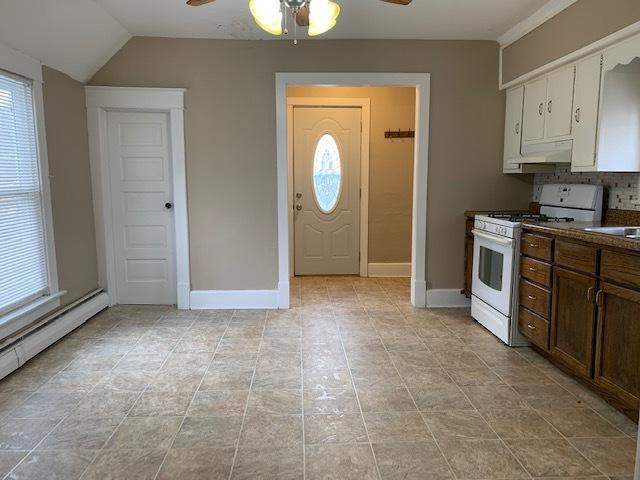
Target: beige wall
{"x": 68, "y": 150}
{"x": 390, "y": 164}
{"x": 231, "y": 140}
{"x": 581, "y": 24}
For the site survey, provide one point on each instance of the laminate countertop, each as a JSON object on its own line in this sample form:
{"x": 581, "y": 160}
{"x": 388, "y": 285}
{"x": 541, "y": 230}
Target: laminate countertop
{"x": 575, "y": 231}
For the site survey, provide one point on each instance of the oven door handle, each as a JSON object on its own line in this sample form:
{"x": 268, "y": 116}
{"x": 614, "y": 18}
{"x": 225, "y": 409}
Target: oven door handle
{"x": 507, "y": 242}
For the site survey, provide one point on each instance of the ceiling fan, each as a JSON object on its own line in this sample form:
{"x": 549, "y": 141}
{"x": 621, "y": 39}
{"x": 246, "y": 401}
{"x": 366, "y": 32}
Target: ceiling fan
{"x": 319, "y": 15}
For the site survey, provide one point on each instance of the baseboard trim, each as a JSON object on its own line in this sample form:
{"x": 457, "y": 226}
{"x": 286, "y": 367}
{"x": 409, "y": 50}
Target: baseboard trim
{"x": 447, "y": 298}
{"x": 389, "y": 270}
{"x": 20, "y": 352}
{"x": 234, "y": 299}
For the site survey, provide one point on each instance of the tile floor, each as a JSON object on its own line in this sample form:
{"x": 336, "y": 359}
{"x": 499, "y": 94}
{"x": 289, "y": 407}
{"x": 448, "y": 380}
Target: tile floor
{"x": 351, "y": 383}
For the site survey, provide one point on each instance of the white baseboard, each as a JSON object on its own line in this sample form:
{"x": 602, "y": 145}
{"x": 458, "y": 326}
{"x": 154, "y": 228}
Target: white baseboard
{"x": 447, "y": 298}
{"x": 234, "y": 299}
{"x": 35, "y": 342}
{"x": 390, "y": 269}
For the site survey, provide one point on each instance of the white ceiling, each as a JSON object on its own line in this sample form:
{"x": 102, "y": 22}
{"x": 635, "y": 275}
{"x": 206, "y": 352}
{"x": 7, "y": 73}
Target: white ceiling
{"x": 423, "y": 19}
{"x": 79, "y": 36}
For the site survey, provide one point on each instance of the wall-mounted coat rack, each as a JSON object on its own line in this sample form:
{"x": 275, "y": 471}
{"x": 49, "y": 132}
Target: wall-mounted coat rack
{"x": 400, "y": 134}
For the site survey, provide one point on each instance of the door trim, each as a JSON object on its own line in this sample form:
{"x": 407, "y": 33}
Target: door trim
{"x": 422, "y": 84}
{"x": 100, "y": 100}
{"x": 365, "y": 105}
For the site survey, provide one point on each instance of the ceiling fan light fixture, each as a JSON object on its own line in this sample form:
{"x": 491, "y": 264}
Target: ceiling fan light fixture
{"x": 268, "y": 15}
{"x": 323, "y": 16}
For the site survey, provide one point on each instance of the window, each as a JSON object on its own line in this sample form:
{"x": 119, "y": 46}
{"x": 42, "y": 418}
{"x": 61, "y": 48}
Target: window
{"x": 23, "y": 258}
{"x": 327, "y": 173}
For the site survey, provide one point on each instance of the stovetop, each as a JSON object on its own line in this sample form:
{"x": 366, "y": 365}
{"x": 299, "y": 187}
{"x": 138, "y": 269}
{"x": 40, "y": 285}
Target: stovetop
{"x": 529, "y": 217}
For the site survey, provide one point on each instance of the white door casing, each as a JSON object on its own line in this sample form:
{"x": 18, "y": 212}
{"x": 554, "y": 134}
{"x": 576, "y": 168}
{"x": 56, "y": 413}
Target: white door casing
{"x": 142, "y": 200}
{"x": 327, "y": 236}
{"x": 101, "y": 101}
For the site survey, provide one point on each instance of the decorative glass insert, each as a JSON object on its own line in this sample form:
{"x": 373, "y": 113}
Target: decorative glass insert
{"x": 327, "y": 173}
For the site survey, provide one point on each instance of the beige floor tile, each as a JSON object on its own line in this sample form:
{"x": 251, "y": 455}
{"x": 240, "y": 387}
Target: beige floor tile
{"x": 125, "y": 465}
{"x": 394, "y": 399}
{"x": 106, "y": 403}
{"x": 612, "y": 456}
{"x": 80, "y": 433}
{"x": 269, "y": 462}
{"x": 271, "y": 430}
{"x": 396, "y": 427}
{"x": 288, "y": 379}
{"x": 144, "y": 432}
{"x": 458, "y": 424}
{"x": 197, "y": 464}
{"x": 580, "y": 422}
{"x": 331, "y": 400}
{"x": 218, "y": 403}
{"x": 210, "y": 432}
{"x": 275, "y": 402}
{"x": 411, "y": 461}
{"x": 161, "y": 404}
{"x": 340, "y": 462}
{"x": 52, "y": 405}
{"x": 8, "y": 460}
{"x": 551, "y": 458}
{"x": 41, "y": 465}
{"x": 440, "y": 397}
{"x": 481, "y": 459}
{"x": 24, "y": 434}
{"x": 494, "y": 396}
{"x": 515, "y": 424}
{"x": 334, "y": 428}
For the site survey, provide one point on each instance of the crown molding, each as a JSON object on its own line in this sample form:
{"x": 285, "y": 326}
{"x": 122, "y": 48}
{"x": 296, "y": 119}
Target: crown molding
{"x": 544, "y": 13}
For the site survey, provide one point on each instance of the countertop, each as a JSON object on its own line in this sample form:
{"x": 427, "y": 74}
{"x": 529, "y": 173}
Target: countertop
{"x": 575, "y": 230}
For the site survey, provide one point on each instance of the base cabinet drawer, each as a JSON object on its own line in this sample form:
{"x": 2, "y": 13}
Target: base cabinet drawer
{"x": 535, "y": 298}
{"x": 621, "y": 268}
{"x": 535, "y": 271}
{"x": 534, "y": 327}
{"x": 575, "y": 256}
{"x": 537, "y": 246}
{"x": 618, "y": 344}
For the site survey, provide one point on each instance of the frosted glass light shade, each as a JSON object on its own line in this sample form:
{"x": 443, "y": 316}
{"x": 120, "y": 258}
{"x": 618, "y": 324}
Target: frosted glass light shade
{"x": 323, "y": 15}
{"x": 267, "y": 14}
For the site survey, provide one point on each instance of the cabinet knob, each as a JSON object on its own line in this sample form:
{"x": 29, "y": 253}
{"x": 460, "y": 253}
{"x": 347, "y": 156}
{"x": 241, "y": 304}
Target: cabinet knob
{"x": 530, "y": 326}
{"x": 541, "y": 109}
{"x": 518, "y": 128}
{"x": 549, "y": 105}
{"x": 532, "y": 297}
{"x": 577, "y": 115}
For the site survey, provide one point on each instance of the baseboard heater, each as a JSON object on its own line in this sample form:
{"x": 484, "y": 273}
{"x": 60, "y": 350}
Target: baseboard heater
{"x": 21, "y": 347}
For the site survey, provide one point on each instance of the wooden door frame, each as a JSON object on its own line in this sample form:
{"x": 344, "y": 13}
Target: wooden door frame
{"x": 365, "y": 105}
{"x": 101, "y": 100}
{"x": 422, "y": 83}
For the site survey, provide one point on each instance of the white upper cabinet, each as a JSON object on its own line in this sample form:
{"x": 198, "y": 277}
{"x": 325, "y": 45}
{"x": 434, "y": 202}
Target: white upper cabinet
{"x": 513, "y": 128}
{"x": 585, "y": 113}
{"x": 559, "y": 103}
{"x": 535, "y": 99}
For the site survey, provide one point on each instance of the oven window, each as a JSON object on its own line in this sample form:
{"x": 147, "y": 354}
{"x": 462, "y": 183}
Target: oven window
{"x": 490, "y": 268}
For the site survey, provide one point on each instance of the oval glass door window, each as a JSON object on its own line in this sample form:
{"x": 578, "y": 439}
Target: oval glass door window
{"x": 327, "y": 173}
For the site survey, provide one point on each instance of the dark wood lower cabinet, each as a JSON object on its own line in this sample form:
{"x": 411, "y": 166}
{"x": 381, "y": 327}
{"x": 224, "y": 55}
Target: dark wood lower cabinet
{"x": 468, "y": 265}
{"x": 617, "y": 369}
{"x": 573, "y": 321}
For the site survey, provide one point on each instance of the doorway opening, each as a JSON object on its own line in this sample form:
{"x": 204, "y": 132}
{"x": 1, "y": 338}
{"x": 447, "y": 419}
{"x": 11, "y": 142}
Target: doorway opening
{"x": 326, "y": 225}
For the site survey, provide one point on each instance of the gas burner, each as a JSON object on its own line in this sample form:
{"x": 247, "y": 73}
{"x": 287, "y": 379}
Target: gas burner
{"x": 530, "y": 217}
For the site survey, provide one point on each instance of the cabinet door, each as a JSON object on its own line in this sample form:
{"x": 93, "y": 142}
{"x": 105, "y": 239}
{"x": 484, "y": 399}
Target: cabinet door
{"x": 618, "y": 343}
{"x": 559, "y": 107}
{"x": 535, "y": 98}
{"x": 585, "y": 112}
{"x": 573, "y": 320}
{"x": 513, "y": 126}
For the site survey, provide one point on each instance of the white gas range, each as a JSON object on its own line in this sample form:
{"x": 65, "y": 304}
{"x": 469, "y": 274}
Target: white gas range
{"x": 494, "y": 300}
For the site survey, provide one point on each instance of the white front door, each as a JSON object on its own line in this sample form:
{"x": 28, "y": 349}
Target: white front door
{"x": 326, "y": 153}
{"x": 142, "y": 202}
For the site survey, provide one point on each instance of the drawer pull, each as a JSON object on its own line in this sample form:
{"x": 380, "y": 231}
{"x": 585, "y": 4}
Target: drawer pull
{"x": 534, "y": 245}
{"x": 531, "y": 327}
{"x": 533, "y": 269}
{"x": 532, "y": 297}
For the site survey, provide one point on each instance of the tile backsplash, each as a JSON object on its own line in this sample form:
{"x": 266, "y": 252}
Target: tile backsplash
{"x": 621, "y": 189}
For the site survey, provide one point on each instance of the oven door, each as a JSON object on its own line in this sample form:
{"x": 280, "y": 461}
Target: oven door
{"x": 493, "y": 258}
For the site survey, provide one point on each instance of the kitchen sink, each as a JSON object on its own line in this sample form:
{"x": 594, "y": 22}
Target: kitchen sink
{"x": 628, "y": 232}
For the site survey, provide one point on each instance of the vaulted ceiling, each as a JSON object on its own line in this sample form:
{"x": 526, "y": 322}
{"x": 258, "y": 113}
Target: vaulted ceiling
{"x": 79, "y": 36}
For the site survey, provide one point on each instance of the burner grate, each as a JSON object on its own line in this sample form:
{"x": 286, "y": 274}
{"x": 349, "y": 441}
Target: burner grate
{"x": 536, "y": 217}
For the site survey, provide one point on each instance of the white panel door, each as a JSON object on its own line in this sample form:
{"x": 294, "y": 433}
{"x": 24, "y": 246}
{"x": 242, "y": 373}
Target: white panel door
{"x": 560, "y": 103}
{"x": 535, "y": 98}
{"x": 513, "y": 128}
{"x": 143, "y": 233}
{"x": 327, "y": 144}
{"x": 585, "y": 116}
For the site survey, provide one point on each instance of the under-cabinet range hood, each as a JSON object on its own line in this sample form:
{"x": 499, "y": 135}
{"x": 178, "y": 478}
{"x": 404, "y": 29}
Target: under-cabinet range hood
{"x": 547, "y": 152}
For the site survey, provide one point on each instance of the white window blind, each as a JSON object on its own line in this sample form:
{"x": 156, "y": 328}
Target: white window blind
{"x": 23, "y": 263}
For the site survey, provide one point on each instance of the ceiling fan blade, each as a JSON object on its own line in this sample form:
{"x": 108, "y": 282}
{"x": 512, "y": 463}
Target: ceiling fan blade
{"x": 197, "y": 3}
{"x": 302, "y": 17}
{"x": 399, "y": 2}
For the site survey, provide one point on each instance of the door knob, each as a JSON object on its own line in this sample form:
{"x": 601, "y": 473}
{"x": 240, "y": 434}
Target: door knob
{"x": 168, "y": 205}
{"x": 298, "y": 207}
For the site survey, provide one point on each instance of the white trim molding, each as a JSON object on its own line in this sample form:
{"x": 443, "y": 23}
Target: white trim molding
{"x": 234, "y": 299}
{"x": 422, "y": 83}
{"x": 447, "y": 298}
{"x": 100, "y": 100}
{"x": 544, "y": 13}
{"x": 399, "y": 270}
{"x": 365, "y": 106}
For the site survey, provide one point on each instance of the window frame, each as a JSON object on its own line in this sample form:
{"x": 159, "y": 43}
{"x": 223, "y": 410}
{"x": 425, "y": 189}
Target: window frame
{"x": 16, "y": 63}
